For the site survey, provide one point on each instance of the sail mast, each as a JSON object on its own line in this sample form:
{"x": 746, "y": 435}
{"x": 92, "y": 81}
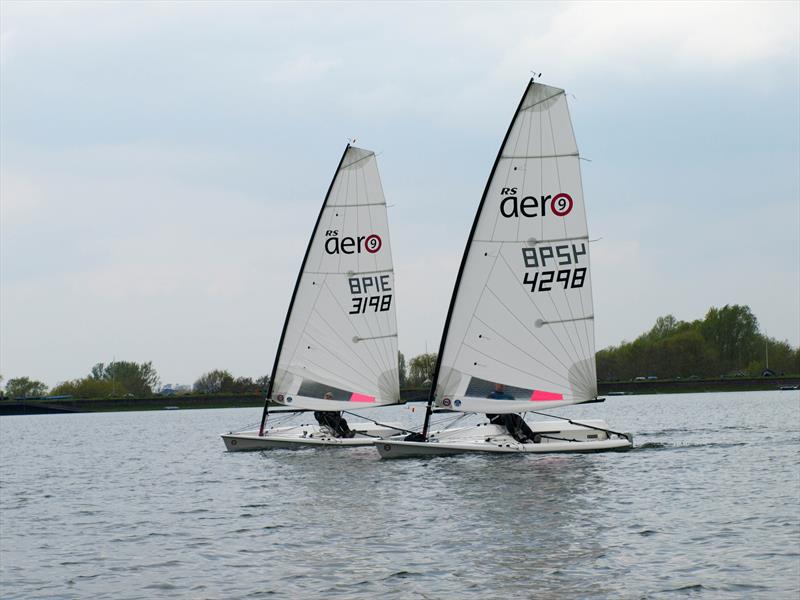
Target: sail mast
{"x": 434, "y": 381}
{"x": 294, "y": 295}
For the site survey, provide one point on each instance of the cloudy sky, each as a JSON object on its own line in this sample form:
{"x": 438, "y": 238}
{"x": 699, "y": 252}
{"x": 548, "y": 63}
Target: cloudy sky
{"x": 162, "y": 164}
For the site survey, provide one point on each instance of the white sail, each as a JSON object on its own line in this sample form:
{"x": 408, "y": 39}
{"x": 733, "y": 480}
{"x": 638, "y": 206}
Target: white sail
{"x": 341, "y": 331}
{"x": 521, "y": 313}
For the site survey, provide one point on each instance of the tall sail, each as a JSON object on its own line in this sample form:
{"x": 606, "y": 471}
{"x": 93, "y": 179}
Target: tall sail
{"x": 340, "y": 334}
{"x": 521, "y": 313}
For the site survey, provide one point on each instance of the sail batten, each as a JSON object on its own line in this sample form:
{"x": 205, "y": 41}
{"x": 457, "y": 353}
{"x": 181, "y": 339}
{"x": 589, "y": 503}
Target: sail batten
{"x": 340, "y": 335}
{"x": 522, "y": 312}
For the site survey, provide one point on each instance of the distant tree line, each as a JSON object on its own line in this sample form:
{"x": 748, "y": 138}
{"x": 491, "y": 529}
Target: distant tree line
{"x": 726, "y": 342}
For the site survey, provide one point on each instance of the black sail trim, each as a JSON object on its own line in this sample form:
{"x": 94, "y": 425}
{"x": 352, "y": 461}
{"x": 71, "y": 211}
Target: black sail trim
{"x": 294, "y": 293}
{"x": 435, "y": 380}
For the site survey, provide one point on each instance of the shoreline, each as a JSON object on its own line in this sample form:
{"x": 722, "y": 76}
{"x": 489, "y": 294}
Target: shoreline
{"x": 33, "y": 406}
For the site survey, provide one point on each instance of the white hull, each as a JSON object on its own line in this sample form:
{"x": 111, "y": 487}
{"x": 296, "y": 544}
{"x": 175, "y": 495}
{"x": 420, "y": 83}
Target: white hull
{"x": 304, "y": 436}
{"x": 555, "y": 437}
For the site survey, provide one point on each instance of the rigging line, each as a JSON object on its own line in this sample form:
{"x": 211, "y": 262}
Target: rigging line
{"x": 344, "y": 342}
{"x": 533, "y": 358}
{"x": 347, "y": 412}
{"x": 450, "y": 422}
{"x": 552, "y": 437}
{"x": 571, "y": 422}
{"x": 539, "y": 310}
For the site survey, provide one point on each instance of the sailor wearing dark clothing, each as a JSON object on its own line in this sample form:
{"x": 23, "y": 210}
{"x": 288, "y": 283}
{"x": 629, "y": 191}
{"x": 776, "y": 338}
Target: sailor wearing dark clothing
{"x": 334, "y": 421}
{"x": 514, "y": 424}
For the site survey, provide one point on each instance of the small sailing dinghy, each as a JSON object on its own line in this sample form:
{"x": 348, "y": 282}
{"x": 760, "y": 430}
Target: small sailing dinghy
{"x": 338, "y": 347}
{"x": 519, "y": 333}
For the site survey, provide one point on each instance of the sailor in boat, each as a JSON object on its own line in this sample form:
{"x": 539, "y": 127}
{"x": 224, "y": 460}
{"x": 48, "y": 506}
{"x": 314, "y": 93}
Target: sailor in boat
{"x": 514, "y": 424}
{"x": 333, "y": 420}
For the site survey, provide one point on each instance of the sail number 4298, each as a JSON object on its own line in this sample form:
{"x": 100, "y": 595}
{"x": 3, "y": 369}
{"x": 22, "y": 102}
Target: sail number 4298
{"x": 543, "y": 281}
{"x": 562, "y": 255}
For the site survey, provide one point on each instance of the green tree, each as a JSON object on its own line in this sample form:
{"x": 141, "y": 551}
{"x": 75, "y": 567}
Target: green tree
{"x": 262, "y": 384}
{"x": 420, "y": 370}
{"x": 87, "y": 387}
{"x": 778, "y": 355}
{"x": 139, "y": 379}
{"x": 664, "y": 327}
{"x": 25, "y": 387}
{"x": 214, "y": 382}
{"x": 733, "y": 331}
{"x": 401, "y": 367}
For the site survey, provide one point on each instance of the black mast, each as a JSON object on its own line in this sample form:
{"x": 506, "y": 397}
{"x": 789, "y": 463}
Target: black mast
{"x": 294, "y": 295}
{"x": 432, "y": 392}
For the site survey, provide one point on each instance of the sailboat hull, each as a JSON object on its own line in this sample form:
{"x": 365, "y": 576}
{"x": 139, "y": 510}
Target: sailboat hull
{"x": 554, "y": 438}
{"x": 304, "y": 436}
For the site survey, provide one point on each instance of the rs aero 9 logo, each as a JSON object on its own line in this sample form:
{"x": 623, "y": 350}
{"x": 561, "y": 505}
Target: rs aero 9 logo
{"x": 351, "y": 245}
{"x": 534, "y": 206}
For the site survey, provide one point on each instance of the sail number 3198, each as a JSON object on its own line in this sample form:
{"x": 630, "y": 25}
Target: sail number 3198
{"x": 360, "y": 288}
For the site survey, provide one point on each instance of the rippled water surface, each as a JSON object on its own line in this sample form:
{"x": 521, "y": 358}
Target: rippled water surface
{"x": 148, "y": 505}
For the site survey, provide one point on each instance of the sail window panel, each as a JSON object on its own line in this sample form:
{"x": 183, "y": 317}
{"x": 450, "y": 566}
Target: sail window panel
{"x": 514, "y": 369}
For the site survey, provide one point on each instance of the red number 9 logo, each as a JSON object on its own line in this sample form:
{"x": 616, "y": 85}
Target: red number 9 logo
{"x": 561, "y": 204}
{"x": 373, "y": 243}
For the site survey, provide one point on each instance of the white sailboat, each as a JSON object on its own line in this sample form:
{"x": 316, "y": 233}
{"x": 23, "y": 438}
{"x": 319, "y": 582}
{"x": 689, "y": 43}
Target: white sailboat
{"x": 519, "y": 333}
{"x": 338, "y": 347}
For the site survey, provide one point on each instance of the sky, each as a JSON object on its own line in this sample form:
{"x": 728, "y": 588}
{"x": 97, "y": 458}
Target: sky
{"x": 162, "y": 164}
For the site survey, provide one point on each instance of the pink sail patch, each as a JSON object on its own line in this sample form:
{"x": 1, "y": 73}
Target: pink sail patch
{"x": 539, "y": 396}
{"x": 354, "y": 397}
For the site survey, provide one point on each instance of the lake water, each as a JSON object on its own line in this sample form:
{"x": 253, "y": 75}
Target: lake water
{"x": 148, "y": 505}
